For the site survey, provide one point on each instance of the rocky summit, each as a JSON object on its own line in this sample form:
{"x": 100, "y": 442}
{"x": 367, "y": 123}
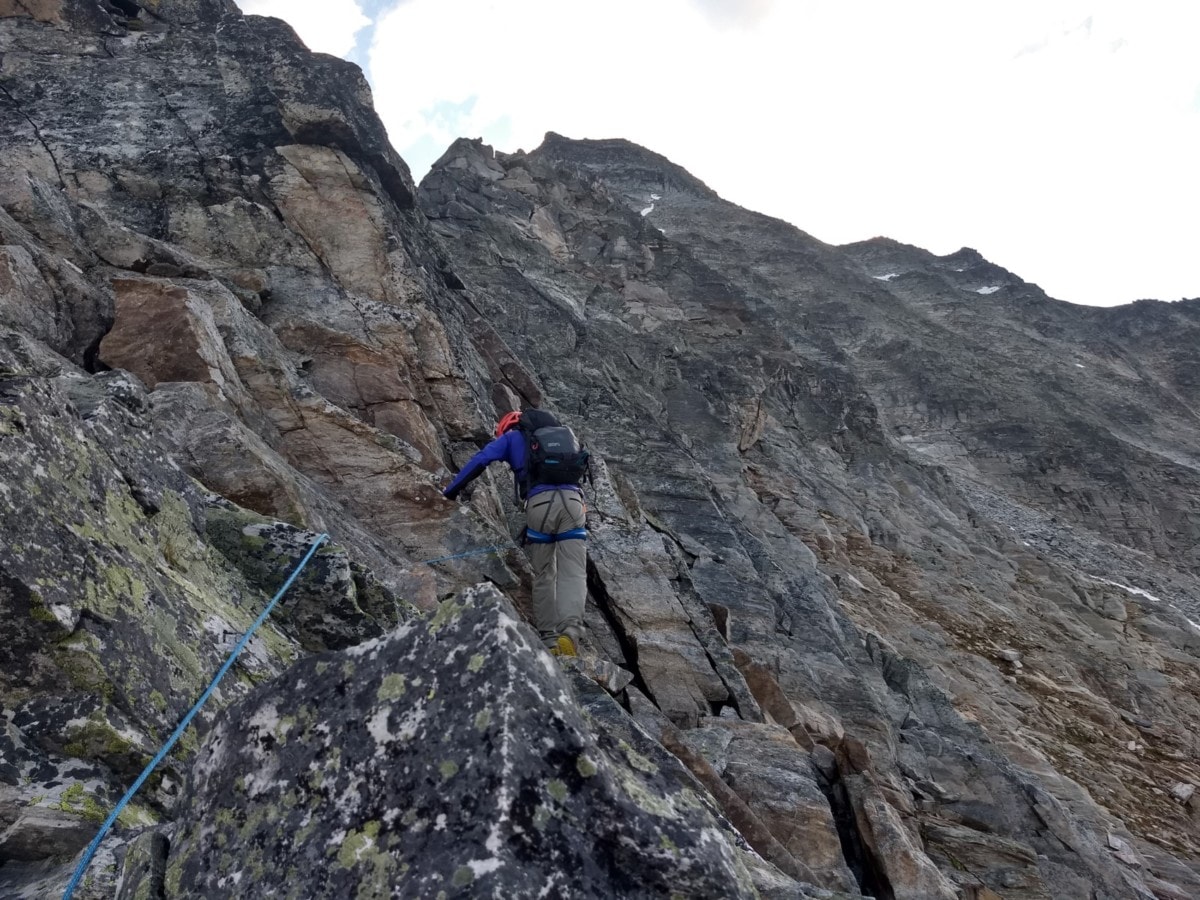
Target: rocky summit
{"x": 893, "y": 577}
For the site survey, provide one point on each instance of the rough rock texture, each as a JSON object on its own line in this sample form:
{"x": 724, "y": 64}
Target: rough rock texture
{"x": 890, "y": 561}
{"x": 763, "y": 402}
{"x": 418, "y": 779}
{"x": 118, "y": 607}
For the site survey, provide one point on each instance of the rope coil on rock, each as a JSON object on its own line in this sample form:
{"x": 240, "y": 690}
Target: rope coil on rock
{"x": 191, "y": 713}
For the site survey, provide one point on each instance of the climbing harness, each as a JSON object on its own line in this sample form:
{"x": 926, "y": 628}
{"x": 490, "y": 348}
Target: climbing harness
{"x": 533, "y": 536}
{"x": 540, "y": 537}
{"x": 112, "y": 817}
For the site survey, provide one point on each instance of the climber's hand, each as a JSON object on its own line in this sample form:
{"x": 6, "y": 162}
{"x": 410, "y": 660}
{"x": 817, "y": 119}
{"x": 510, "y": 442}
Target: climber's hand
{"x": 463, "y": 494}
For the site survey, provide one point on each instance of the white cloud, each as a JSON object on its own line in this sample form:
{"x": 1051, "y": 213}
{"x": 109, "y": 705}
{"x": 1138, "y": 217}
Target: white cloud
{"x": 735, "y": 12}
{"x": 528, "y": 67}
{"x": 1057, "y": 138}
{"x": 327, "y": 26}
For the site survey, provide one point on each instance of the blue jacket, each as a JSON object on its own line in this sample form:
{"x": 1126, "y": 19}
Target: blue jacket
{"x": 509, "y": 448}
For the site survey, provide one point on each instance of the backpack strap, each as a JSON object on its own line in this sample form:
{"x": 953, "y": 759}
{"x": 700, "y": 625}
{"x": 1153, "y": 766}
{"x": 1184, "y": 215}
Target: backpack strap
{"x": 522, "y": 479}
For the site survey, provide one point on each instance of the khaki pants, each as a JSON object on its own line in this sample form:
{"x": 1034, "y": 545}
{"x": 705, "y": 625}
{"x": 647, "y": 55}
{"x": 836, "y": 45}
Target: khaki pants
{"x": 559, "y": 566}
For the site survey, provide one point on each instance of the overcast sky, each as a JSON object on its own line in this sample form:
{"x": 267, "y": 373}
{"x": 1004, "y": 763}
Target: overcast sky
{"x": 1060, "y": 138}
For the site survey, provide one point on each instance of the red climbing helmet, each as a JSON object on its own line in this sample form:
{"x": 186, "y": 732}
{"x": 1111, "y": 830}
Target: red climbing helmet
{"x": 508, "y": 421}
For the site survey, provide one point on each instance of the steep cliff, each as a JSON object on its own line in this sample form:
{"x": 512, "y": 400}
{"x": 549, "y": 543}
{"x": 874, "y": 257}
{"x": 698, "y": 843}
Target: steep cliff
{"x": 890, "y": 559}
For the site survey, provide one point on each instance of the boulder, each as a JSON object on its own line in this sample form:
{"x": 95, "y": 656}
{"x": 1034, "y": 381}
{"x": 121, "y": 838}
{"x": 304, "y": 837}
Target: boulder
{"x": 447, "y": 756}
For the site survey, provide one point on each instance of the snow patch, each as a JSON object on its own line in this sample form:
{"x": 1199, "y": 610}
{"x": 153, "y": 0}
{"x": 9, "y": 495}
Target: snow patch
{"x": 1080, "y": 366}
{"x": 649, "y": 209}
{"x": 888, "y": 277}
{"x": 991, "y": 289}
{"x": 1138, "y": 591}
{"x": 655, "y": 197}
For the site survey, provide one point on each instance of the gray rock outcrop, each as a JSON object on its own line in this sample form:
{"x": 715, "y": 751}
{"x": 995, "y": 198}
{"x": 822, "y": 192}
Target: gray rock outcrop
{"x": 418, "y": 745}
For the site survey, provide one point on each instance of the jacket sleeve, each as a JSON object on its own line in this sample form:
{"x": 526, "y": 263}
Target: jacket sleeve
{"x": 496, "y": 451}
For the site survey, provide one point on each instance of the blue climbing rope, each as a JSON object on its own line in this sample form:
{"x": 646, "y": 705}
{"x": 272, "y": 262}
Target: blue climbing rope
{"x": 112, "y": 817}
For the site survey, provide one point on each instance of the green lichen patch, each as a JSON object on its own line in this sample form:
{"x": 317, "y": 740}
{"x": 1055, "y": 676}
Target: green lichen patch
{"x": 430, "y": 773}
{"x": 283, "y": 727}
{"x": 97, "y": 739}
{"x": 656, "y": 804}
{"x": 38, "y": 610}
{"x": 134, "y": 815}
{"x": 392, "y": 687}
{"x": 112, "y": 553}
{"x": 447, "y": 612}
{"x": 79, "y": 659}
{"x": 637, "y": 760}
{"x": 12, "y": 421}
{"x": 225, "y": 817}
{"x": 362, "y": 847}
{"x": 476, "y": 663}
{"x": 75, "y": 800}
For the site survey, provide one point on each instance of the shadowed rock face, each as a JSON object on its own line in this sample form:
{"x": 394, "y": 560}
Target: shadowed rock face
{"x": 884, "y": 546}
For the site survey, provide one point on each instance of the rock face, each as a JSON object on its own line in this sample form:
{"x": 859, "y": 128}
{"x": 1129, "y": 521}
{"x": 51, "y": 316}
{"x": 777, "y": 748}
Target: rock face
{"x": 420, "y": 742}
{"x": 891, "y": 555}
{"x": 840, "y": 461}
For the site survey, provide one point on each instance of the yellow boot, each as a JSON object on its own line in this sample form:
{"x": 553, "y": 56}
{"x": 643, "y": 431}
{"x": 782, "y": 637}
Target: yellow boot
{"x": 564, "y": 646}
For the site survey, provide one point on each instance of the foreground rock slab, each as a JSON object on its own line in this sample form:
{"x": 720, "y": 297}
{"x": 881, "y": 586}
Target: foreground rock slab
{"x": 448, "y": 758}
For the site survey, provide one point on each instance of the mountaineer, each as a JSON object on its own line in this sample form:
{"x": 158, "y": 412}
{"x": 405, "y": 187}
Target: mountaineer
{"x": 549, "y": 466}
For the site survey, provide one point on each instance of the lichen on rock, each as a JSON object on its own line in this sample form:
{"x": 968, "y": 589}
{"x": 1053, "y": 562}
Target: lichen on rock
{"x": 461, "y": 759}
